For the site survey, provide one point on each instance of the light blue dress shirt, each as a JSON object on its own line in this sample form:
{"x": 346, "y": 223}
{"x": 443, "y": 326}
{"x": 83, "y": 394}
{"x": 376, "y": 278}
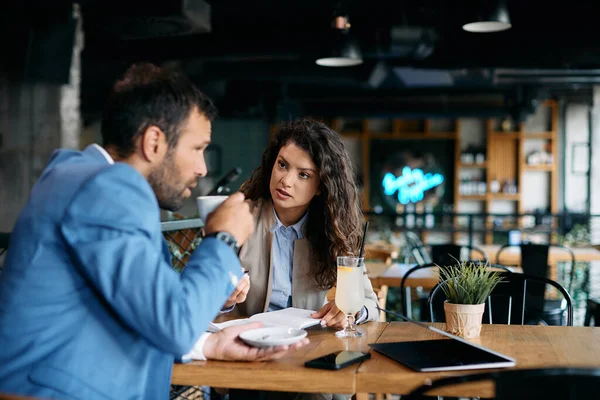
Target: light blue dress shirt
{"x": 282, "y": 256}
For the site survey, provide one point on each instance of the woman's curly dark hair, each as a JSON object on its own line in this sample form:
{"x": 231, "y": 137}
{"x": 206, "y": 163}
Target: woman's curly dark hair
{"x": 335, "y": 220}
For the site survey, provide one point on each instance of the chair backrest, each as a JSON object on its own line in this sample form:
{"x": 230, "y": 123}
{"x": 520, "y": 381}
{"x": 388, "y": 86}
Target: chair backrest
{"x": 447, "y": 254}
{"x": 403, "y": 293}
{"x": 404, "y": 280}
{"x": 525, "y": 384}
{"x": 416, "y": 249}
{"x": 4, "y": 239}
{"x": 535, "y": 256}
{"x": 509, "y": 302}
{"x": 182, "y": 237}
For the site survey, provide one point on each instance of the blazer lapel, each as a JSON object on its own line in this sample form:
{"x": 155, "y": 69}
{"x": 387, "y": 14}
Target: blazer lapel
{"x": 267, "y": 223}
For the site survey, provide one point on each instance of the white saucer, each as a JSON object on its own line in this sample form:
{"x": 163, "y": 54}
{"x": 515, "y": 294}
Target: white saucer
{"x": 272, "y": 336}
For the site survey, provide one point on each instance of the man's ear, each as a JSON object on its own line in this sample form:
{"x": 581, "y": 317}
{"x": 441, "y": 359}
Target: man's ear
{"x": 153, "y": 144}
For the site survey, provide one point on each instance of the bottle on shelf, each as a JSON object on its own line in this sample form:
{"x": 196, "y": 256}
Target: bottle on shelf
{"x": 429, "y": 217}
{"x": 400, "y": 217}
{"x": 419, "y": 214}
{"x": 494, "y": 186}
{"x": 467, "y": 156}
{"x": 410, "y": 216}
{"x": 481, "y": 187}
{"x": 480, "y": 156}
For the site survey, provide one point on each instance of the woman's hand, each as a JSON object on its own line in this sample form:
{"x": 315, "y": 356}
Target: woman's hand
{"x": 331, "y": 316}
{"x": 240, "y": 292}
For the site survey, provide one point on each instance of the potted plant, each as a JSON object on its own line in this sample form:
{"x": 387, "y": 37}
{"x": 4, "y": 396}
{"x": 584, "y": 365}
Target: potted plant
{"x": 467, "y": 286}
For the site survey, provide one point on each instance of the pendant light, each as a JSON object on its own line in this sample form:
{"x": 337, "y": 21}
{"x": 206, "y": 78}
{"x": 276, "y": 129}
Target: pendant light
{"x": 345, "y": 51}
{"x": 496, "y": 19}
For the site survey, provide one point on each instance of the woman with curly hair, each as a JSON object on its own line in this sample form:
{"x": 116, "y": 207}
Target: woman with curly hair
{"x": 307, "y": 213}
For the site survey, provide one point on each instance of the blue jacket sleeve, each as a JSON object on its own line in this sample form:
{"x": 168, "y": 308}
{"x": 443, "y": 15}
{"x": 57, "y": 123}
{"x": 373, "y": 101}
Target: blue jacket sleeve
{"x": 112, "y": 227}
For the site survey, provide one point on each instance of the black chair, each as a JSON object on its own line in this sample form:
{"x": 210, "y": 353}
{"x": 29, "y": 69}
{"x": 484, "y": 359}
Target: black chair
{"x": 592, "y": 312}
{"x": 405, "y": 295}
{"x": 509, "y": 302}
{"x": 526, "y": 384}
{"x": 405, "y": 291}
{"x": 182, "y": 238}
{"x": 4, "y": 239}
{"x": 534, "y": 261}
{"x": 415, "y": 249}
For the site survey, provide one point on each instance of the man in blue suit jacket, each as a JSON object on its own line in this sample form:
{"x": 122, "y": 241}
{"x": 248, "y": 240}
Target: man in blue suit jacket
{"x": 90, "y": 307}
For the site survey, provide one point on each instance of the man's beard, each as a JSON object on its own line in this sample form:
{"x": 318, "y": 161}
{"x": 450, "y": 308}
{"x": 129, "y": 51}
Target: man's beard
{"x": 164, "y": 181}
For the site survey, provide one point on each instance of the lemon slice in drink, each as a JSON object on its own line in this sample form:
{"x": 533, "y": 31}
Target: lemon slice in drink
{"x": 345, "y": 269}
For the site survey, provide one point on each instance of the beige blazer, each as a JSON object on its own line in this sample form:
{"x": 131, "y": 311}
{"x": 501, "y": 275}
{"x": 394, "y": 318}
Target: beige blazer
{"x": 255, "y": 256}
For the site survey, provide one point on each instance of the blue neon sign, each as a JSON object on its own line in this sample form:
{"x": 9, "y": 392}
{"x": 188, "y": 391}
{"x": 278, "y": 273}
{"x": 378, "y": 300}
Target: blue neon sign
{"x": 411, "y": 185}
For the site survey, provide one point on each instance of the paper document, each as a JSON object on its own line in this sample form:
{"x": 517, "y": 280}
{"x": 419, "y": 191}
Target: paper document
{"x": 291, "y": 317}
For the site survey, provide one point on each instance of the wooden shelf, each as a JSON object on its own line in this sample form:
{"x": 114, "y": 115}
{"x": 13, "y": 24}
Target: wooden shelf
{"x": 442, "y": 134}
{"x": 506, "y": 161}
{"x": 540, "y": 167}
{"x": 413, "y": 135}
{"x": 504, "y": 196}
{"x": 472, "y": 197}
{"x": 505, "y": 135}
{"x": 482, "y": 165}
{"x": 491, "y": 196}
{"x": 538, "y": 135}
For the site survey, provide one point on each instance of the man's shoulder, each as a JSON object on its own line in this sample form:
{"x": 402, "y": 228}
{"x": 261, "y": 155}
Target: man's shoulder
{"x": 71, "y": 156}
{"x": 121, "y": 182}
{"x": 117, "y": 197}
{"x": 118, "y": 191}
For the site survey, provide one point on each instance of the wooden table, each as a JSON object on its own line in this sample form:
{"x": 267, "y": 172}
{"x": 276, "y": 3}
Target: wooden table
{"x": 288, "y": 374}
{"x": 381, "y": 274}
{"x": 512, "y": 255}
{"x": 391, "y": 275}
{"x": 532, "y": 346}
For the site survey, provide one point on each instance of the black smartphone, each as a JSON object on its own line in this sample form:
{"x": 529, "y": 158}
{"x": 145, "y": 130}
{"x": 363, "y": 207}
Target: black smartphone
{"x": 337, "y": 360}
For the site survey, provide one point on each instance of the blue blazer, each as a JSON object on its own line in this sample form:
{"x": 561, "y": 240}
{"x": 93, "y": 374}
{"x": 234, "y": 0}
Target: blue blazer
{"x": 90, "y": 307}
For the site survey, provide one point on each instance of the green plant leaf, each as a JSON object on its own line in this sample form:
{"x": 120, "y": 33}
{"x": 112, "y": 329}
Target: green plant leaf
{"x": 468, "y": 282}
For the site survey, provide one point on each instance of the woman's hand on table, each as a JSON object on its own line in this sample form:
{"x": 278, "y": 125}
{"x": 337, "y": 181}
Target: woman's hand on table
{"x": 227, "y": 346}
{"x": 331, "y": 316}
{"x": 240, "y": 293}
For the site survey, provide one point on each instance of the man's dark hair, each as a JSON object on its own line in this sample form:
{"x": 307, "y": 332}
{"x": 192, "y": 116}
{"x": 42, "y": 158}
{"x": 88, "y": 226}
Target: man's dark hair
{"x": 148, "y": 95}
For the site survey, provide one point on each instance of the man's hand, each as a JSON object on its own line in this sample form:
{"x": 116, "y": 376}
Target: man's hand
{"x": 232, "y": 216}
{"x": 331, "y": 316}
{"x": 240, "y": 292}
{"x": 226, "y": 345}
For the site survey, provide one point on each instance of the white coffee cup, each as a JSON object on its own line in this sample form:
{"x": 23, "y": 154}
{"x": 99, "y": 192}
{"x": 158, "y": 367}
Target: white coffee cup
{"x": 207, "y": 204}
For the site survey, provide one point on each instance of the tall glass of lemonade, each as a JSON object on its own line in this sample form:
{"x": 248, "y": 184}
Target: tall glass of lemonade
{"x": 349, "y": 292}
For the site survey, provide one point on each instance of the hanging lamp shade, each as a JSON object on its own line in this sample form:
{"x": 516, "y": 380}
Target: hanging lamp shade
{"x": 496, "y": 19}
{"x": 344, "y": 50}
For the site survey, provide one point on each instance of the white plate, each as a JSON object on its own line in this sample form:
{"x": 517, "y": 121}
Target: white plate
{"x": 272, "y": 336}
